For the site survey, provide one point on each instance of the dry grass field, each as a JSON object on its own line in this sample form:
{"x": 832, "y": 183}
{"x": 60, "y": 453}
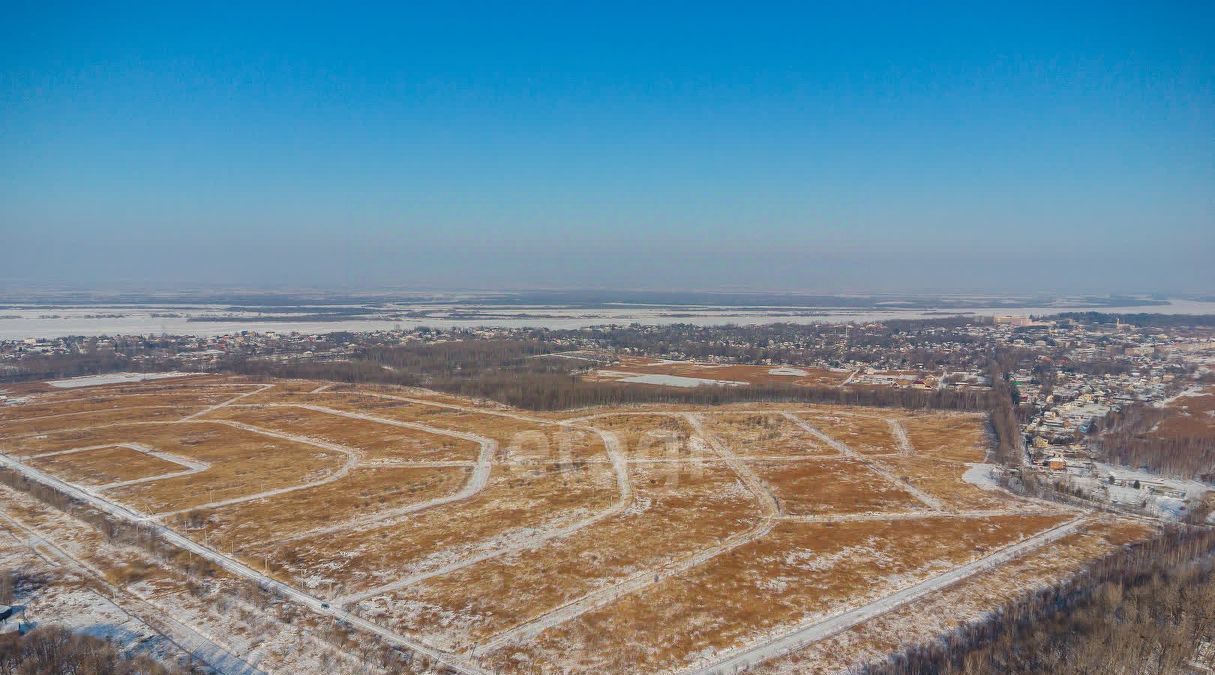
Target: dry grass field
{"x": 866, "y": 434}
{"x": 101, "y": 466}
{"x": 765, "y": 434}
{"x": 647, "y": 538}
{"x": 832, "y": 487}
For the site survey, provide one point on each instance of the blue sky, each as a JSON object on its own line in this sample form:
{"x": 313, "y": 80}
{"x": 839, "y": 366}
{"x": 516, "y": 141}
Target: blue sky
{"x": 801, "y": 146}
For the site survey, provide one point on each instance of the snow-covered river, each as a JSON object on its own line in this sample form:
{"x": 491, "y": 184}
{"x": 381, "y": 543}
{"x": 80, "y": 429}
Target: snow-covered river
{"x": 62, "y": 320}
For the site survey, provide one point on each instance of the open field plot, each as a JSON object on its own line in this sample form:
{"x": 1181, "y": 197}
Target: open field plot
{"x": 362, "y": 492}
{"x": 72, "y": 438}
{"x": 631, "y": 538}
{"x": 796, "y": 573}
{"x": 520, "y": 437}
{"x": 105, "y": 465}
{"x": 868, "y": 435}
{"x": 954, "y": 437}
{"x": 86, "y": 420}
{"x": 675, "y": 513}
{"x": 516, "y": 432}
{"x": 832, "y": 487}
{"x": 242, "y": 463}
{"x": 374, "y": 441}
{"x": 659, "y": 437}
{"x": 759, "y": 434}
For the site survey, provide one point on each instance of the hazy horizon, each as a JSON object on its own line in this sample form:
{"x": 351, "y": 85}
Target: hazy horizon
{"x": 1037, "y": 148}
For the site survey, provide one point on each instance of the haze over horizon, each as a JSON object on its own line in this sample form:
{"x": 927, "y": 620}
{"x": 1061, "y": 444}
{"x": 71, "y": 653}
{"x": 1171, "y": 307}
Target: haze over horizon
{"x": 882, "y": 149}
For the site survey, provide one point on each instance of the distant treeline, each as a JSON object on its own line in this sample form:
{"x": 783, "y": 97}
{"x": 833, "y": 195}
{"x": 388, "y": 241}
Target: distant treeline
{"x": 1141, "y": 319}
{"x": 1147, "y": 608}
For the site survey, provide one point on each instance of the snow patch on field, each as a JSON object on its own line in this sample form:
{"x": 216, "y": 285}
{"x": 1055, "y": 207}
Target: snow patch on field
{"x": 678, "y": 381}
{"x": 86, "y": 611}
{"x": 112, "y": 378}
{"x": 794, "y": 372}
{"x": 980, "y": 475}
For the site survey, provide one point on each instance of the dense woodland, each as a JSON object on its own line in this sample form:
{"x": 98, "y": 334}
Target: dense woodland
{"x": 1148, "y": 608}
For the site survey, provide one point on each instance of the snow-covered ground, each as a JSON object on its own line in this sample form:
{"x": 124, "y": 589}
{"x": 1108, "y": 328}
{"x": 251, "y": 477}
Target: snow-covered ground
{"x": 678, "y": 380}
{"x": 1164, "y": 506}
{"x": 980, "y": 475}
{"x": 112, "y": 378}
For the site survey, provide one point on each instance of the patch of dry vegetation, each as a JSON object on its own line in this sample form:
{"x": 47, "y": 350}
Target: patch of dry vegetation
{"x": 645, "y": 436}
{"x": 65, "y": 406}
{"x": 943, "y": 480}
{"x": 18, "y": 431}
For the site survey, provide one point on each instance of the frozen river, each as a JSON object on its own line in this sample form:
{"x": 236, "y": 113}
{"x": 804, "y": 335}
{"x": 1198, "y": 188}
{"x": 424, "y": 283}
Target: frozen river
{"x": 92, "y": 320}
